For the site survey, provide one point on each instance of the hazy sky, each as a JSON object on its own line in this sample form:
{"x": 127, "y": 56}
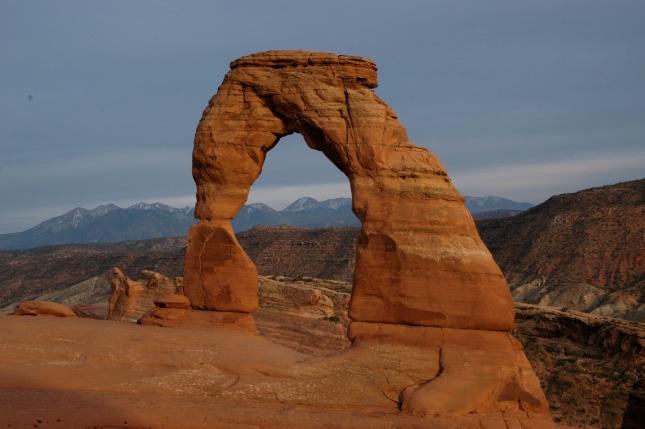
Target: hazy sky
{"x": 99, "y": 100}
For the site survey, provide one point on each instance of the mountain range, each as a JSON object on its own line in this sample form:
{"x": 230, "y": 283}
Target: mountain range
{"x": 110, "y": 223}
{"x": 106, "y": 223}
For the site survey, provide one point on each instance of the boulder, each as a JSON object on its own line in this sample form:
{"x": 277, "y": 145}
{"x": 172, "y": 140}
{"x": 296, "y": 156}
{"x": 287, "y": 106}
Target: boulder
{"x": 172, "y": 301}
{"x": 43, "y": 308}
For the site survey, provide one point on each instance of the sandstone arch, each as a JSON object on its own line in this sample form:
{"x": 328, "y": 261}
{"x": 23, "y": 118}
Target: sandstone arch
{"x": 419, "y": 260}
{"x": 423, "y": 277}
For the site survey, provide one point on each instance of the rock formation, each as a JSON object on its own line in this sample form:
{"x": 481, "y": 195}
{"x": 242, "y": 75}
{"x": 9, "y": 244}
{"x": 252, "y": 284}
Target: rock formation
{"x": 421, "y": 267}
{"x": 43, "y": 308}
{"x": 420, "y": 260}
{"x": 130, "y": 299}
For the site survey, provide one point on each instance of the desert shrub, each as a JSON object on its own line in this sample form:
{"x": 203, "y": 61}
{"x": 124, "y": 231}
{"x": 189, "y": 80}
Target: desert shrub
{"x": 334, "y": 319}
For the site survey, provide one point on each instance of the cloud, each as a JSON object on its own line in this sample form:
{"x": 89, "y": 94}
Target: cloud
{"x": 535, "y": 182}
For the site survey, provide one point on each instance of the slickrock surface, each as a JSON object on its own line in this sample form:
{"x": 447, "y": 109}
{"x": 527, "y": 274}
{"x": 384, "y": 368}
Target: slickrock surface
{"x": 79, "y": 373}
{"x": 130, "y": 299}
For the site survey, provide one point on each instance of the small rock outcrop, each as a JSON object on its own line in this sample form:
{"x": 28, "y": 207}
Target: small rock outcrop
{"x": 131, "y": 299}
{"x": 43, "y": 308}
{"x": 421, "y": 268}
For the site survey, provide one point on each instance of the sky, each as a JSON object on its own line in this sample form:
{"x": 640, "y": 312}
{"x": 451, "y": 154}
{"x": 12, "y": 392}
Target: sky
{"x": 99, "y": 100}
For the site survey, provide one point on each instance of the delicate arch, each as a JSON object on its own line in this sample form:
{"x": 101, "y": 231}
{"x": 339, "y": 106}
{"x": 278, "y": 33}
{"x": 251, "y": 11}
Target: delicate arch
{"x": 420, "y": 260}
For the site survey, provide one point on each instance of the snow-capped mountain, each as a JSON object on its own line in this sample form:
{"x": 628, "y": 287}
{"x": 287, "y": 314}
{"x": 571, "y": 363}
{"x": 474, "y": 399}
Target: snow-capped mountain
{"x": 105, "y": 223}
{"x": 73, "y": 219}
{"x": 303, "y": 203}
{"x": 307, "y": 203}
{"x": 336, "y": 203}
{"x": 263, "y": 208}
{"x": 162, "y": 207}
{"x": 304, "y": 212}
{"x": 108, "y": 223}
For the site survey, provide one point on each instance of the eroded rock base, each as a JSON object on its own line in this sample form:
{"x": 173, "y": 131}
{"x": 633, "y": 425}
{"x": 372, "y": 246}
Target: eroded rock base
{"x": 182, "y": 318}
{"x": 475, "y": 371}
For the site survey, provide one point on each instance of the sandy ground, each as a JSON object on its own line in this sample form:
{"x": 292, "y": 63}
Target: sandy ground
{"x": 82, "y": 373}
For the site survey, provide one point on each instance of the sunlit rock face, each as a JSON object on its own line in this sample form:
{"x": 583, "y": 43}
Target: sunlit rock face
{"x": 420, "y": 260}
{"x": 423, "y": 276}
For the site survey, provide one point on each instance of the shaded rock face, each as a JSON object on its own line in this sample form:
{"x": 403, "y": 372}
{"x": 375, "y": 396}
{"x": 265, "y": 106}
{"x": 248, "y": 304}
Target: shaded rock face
{"x": 131, "y": 299}
{"x": 633, "y": 417}
{"x": 420, "y": 260}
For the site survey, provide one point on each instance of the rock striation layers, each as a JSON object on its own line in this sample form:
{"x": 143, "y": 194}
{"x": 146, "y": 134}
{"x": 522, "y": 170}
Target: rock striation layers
{"x": 421, "y": 265}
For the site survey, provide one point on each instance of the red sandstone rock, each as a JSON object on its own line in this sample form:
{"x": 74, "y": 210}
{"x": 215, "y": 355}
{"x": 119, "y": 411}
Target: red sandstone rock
{"x": 420, "y": 260}
{"x": 43, "y": 308}
{"x": 131, "y": 299}
{"x": 477, "y": 371}
{"x": 173, "y": 301}
{"x": 218, "y": 275}
{"x": 182, "y": 318}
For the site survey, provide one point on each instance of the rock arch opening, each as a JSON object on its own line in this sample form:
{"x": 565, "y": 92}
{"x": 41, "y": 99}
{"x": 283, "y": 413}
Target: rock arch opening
{"x": 292, "y": 170}
{"x": 308, "y": 192}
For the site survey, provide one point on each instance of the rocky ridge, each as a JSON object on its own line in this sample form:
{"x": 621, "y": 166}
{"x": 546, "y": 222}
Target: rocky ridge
{"x": 584, "y": 251}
